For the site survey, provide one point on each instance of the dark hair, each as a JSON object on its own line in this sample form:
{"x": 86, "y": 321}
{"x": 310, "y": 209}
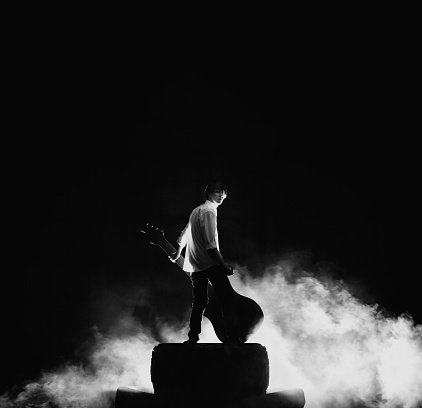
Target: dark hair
{"x": 215, "y": 185}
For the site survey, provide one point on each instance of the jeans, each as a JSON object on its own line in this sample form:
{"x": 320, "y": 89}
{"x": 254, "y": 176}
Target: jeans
{"x": 222, "y": 287}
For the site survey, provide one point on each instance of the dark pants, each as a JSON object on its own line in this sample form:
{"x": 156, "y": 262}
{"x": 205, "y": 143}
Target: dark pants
{"x": 222, "y": 287}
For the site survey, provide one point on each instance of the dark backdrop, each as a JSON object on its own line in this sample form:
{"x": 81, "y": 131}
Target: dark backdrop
{"x": 314, "y": 146}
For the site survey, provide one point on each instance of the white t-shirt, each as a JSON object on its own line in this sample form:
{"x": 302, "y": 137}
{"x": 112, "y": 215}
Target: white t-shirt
{"x": 199, "y": 235}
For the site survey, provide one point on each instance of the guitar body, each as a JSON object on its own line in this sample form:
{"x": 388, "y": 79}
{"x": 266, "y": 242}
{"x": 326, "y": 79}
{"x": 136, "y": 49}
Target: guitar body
{"x": 245, "y": 315}
{"x": 244, "y": 318}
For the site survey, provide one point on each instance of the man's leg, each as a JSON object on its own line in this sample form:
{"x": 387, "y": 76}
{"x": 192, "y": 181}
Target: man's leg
{"x": 199, "y": 302}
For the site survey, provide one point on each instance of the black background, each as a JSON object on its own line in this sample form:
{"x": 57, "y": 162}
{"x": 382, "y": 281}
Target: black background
{"x": 311, "y": 134}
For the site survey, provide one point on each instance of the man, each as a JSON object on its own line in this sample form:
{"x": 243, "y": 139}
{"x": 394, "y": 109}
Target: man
{"x": 203, "y": 258}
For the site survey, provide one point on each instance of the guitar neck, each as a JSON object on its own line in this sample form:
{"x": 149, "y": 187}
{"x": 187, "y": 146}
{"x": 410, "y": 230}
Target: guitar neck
{"x": 171, "y": 250}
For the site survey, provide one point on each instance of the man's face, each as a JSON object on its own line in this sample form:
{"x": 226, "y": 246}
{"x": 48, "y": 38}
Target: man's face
{"x": 217, "y": 196}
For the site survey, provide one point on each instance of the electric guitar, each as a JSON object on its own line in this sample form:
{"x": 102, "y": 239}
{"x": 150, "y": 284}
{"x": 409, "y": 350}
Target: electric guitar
{"x": 245, "y": 315}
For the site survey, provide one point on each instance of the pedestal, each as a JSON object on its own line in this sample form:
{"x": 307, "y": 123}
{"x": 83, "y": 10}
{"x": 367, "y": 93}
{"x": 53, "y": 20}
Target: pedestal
{"x": 209, "y": 371}
{"x": 209, "y": 375}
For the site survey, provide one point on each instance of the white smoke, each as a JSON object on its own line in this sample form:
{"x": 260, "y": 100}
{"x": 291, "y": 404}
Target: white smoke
{"x": 322, "y": 339}
{"x": 113, "y": 361}
{"x": 319, "y": 337}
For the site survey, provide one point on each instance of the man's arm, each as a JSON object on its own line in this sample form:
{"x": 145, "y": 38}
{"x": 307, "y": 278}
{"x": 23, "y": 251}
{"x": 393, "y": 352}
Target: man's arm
{"x": 214, "y": 253}
{"x": 209, "y": 236}
{"x": 178, "y": 253}
{"x": 182, "y": 243}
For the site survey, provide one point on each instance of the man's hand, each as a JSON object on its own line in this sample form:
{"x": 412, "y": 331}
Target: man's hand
{"x": 228, "y": 269}
{"x": 174, "y": 257}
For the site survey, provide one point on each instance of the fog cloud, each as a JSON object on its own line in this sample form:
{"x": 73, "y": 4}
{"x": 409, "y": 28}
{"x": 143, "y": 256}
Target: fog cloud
{"x": 319, "y": 337}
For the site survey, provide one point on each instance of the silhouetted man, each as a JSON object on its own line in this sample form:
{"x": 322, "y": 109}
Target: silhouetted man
{"x": 203, "y": 258}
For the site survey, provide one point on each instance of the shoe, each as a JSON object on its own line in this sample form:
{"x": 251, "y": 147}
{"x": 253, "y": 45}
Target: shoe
{"x": 190, "y": 341}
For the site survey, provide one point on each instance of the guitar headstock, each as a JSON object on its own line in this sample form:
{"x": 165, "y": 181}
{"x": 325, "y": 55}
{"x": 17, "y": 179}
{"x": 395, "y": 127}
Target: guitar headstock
{"x": 154, "y": 234}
